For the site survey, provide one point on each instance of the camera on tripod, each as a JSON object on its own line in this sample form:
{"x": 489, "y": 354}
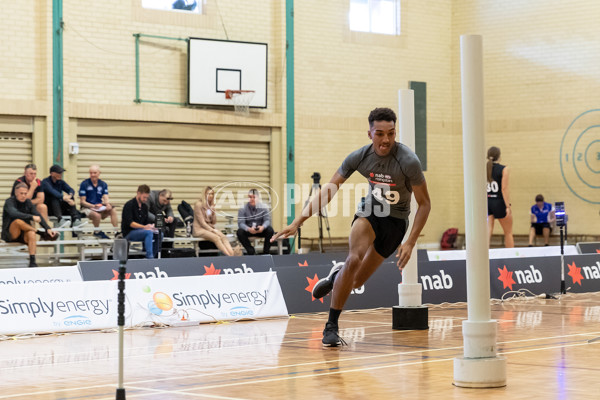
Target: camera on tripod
{"x": 559, "y": 211}
{"x": 316, "y": 177}
{"x": 160, "y": 221}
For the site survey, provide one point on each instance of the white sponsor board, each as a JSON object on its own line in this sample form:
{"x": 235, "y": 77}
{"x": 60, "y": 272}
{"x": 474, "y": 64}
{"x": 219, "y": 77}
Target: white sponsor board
{"x": 92, "y": 305}
{"x": 515, "y": 252}
{"x": 19, "y": 276}
{"x": 207, "y": 298}
{"x": 58, "y": 307}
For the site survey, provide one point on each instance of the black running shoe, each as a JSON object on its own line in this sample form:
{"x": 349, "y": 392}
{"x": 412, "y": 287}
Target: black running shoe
{"x": 331, "y": 338}
{"x": 32, "y": 264}
{"x": 325, "y": 285}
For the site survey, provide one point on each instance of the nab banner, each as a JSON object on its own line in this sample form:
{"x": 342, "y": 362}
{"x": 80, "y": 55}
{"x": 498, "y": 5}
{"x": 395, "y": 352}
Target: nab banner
{"x": 589, "y": 247}
{"x": 171, "y": 267}
{"x": 443, "y": 281}
{"x": 302, "y": 273}
{"x": 537, "y": 274}
{"x": 582, "y": 273}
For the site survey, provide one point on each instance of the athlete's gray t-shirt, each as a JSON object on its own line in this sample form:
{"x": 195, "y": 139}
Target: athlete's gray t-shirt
{"x": 390, "y": 178}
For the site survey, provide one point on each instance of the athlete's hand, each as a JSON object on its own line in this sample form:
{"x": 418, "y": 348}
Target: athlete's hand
{"x": 403, "y": 255}
{"x": 508, "y": 211}
{"x": 288, "y": 231}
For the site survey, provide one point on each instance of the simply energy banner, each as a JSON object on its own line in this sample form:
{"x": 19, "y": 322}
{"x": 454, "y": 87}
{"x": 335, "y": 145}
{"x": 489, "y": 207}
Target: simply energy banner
{"x": 23, "y": 276}
{"x": 197, "y": 299}
{"x": 58, "y": 307}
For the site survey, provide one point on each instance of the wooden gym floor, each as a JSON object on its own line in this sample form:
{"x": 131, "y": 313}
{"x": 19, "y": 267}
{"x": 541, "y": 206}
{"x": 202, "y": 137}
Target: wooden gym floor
{"x": 545, "y": 343}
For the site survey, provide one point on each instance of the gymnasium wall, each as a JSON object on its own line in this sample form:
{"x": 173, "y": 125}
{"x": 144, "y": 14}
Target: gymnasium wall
{"x": 540, "y": 74}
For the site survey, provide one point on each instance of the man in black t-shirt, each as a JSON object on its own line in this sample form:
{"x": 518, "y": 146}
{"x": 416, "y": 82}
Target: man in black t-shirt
{"x": 135, "y": 223}
{"x": 34, "y": 189}
{"x": 17, "y": 218}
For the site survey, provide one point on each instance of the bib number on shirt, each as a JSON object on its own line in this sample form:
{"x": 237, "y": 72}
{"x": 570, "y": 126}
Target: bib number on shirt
{"x": 389, "y": 196}
{"x": 492, "y": 187}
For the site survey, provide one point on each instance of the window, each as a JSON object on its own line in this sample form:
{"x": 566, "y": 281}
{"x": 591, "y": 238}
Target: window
{"x": 376, "y": 16}
{"x": 194, "y": 6}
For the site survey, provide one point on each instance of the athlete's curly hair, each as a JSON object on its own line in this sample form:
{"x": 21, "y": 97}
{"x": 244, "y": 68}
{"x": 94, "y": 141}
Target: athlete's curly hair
{"x": 382, "y": 114}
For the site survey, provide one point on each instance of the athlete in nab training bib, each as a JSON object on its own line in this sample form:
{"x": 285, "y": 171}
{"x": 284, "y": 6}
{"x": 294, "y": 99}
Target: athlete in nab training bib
{"x": 394, "y": 173}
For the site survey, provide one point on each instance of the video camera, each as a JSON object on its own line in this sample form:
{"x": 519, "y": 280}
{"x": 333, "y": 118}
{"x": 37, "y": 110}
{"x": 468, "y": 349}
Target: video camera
{"x": 316, "y": 177}
{"x": 559, "y": 211}
{"x": 160, "y": 221}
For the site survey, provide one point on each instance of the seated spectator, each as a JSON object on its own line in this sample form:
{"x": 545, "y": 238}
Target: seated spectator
{"x": 59, "y": 197}
{"x": 135, "y": 224}
{"x": 17, "y": 217}
{"x": 205, "y": 219}
{"x": 34, "y": 189}
{"x": 254, "y": 219}
{"x": 542, "y": 215}
{"x": 94, "y": 201}
{"x": 159, "y": 202}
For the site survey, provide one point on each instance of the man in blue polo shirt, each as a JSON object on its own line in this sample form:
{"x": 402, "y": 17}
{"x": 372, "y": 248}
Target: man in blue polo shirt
{"x": 94, "y": 201}
{"x": 542, "y": 214}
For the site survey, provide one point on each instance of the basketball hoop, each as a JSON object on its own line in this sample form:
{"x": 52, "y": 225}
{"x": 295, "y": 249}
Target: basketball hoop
{"x": 241, "y": 100}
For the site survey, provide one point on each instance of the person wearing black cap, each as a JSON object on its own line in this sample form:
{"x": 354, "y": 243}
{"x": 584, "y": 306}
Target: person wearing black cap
{"x": 60, "y": 197}
{"x": 17, "y": 218}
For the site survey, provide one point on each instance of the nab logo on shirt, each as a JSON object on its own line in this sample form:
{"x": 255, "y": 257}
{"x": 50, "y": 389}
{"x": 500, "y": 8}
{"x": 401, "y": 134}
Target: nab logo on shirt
{"x": 437, "y": 282}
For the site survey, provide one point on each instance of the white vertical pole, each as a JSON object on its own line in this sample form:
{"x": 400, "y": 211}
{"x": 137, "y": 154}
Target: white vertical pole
{"x": 480, "y": 366}
{"x": 478, "y": 272}
{"x": 410, "y": 291}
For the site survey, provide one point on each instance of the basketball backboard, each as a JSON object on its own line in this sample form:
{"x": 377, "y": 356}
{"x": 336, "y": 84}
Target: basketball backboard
{"x": 215, "y": 66}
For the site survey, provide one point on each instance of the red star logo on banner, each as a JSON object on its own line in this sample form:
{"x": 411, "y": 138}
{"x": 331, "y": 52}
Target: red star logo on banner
{"x": 575, "y": 273}
{"x": 116, "y": 275}
{"x": 212, "y": 270}
{"x": 311, "y": 284}
{"x": 371, "y": 174}
{"x": 305, "y": 264}
{"x": 598, "y": 251}
{"x": 506, "y": 278}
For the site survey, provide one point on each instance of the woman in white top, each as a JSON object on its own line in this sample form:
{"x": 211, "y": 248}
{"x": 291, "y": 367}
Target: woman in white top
{"x": 205, "y": 219}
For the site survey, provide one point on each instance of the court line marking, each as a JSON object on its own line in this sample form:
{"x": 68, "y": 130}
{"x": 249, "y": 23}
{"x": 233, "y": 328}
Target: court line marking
{"x": 168, "y": 392}
{"x": 359, "y": 369}
{"x": 325, "y": 362}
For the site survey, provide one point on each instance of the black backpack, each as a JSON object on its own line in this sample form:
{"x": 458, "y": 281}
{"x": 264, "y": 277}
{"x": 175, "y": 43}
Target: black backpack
{"x": 186, "y": 211}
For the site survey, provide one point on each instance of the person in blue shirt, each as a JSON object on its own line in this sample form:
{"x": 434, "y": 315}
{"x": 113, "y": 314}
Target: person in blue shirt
{"x": 94, "y": 201}
{"x": 254, "y": 219}
{"x": 59, "y": 197}
{"x": 542, "y": 215}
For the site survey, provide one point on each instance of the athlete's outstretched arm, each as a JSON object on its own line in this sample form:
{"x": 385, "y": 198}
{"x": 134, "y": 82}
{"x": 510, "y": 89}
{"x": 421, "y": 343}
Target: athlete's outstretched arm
{"x": 423, "y": 209}
{"x": 320, "y": 200}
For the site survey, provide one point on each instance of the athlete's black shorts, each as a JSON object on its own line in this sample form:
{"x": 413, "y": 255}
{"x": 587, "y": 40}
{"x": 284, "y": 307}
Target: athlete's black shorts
{"x": 497, "y": 208}
{"x": 389, "y": 232}
{"x": 539, "y": 227}
{"x": 20, "y": 239}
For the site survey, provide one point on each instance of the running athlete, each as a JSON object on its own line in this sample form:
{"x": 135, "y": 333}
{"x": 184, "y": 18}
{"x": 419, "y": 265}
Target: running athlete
{"x": 498, "y": 196}
{"x": 394, "y": 173}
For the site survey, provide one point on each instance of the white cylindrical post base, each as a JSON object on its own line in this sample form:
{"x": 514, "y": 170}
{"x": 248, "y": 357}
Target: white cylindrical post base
{"x": 479, "y": 338}
{"x": 409, "y": 294}
{"x": 480, "y": 372}
{"x": 480, "y": 367}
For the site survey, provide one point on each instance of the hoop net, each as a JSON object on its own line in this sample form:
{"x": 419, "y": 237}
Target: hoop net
{"x": 241, "y": 100}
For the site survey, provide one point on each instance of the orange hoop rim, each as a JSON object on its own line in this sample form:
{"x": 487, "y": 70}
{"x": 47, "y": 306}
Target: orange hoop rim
{"x": 229, "y": 93}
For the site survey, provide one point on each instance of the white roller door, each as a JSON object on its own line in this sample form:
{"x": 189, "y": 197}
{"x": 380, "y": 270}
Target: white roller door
{"x": 15, "y": 153}
{"x": 185, "y": 166}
